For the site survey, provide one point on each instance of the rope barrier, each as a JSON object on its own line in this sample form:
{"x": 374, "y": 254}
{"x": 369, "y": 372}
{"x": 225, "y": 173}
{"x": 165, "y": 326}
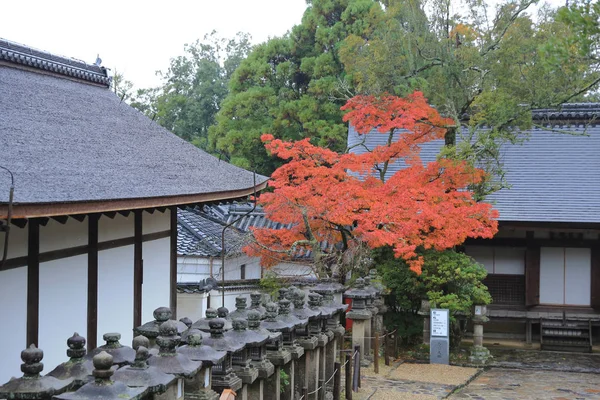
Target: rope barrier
{"x": 370, "y": 337}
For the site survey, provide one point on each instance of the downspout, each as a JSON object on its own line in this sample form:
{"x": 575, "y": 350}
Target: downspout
{"x": 9, "y": 216}
{"x": 223, "y": 242}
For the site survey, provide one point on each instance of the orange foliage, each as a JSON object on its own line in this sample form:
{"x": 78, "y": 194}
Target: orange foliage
{"x": 323, "y": 194}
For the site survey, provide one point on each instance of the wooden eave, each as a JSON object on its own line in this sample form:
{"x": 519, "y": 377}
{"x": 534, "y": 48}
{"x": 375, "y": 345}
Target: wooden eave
{"x": 39, "y": 210}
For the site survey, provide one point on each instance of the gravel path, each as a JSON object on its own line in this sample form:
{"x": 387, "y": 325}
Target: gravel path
{"x": 433, "y": 373}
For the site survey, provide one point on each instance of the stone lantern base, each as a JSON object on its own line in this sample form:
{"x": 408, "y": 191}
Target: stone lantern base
{"x": 479, "y": 355}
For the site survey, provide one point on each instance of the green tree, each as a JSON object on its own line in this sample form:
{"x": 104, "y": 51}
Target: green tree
{"x": 288, "y": 86}
{"x": 194, "y": 86}
{"x": 495, "y": 71}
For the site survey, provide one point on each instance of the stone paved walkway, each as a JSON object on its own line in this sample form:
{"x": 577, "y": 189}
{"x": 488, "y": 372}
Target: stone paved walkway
{"x": 528, "y": 384}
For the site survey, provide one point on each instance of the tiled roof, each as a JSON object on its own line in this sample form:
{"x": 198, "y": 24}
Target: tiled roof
{"x": 19, "y": 54}
{"x": 67, "y": 141}
{"x": 554, "y": 177}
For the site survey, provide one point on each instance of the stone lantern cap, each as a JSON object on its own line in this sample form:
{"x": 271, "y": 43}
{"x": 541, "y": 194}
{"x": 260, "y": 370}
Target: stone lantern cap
{"x": 301, "y": 310}
{"x": 241, "y": 334}
{"x": 104, "y": 387}
{"x": 315, "y": 302}
{"x": 369, "y": 287}
{"x": 358, "y": 291}
{"x": 196, "y": 351}
{"x": 218, "y": 341}
{"x": 327, "y": 286}
{"x": 121, "y": 355}
{"x": 285, "y": 315}
{"x": 32, "y": 385}
{"x": 186, "y": 321}
{"x": 375, "y": 280}
{"x": 167, "y": 359}
{"x": 78, "y": 368}
{"x": 140, "y": 374}
{"x": 256, "y": 304}
{"x": 161, "y": 315}
{"x": 241, "y": 309}
{"x": 254, "y": 324}
{"x": 272, "y": 321}
{"x": 203, "y": 323}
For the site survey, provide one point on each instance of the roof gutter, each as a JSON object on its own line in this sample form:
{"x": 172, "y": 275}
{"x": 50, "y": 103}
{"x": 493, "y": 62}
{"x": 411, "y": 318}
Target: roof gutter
{"x": 40, "y": 210}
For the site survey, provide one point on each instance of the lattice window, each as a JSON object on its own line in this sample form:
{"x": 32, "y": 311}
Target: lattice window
{"x": 506, "y": 289}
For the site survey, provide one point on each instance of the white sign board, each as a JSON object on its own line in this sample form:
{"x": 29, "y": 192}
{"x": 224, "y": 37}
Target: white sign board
{"x": 439, "y": 322}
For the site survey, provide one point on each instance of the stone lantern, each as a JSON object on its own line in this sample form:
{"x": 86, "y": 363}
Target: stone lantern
{"x": 77, "y": 368}
{"x": 315, "y": 302}
{"x": 186, "y": 321}
{"x": 210, "y": 357}
{"x": 103, "y": 387}
{"x": 171, "y": 362}
{"x": 479, "y": 354}
{"x": 241, "y": 358}
{"x": 223, "y": 312}
{"x": 251, "y": 363}
{"x": 151, "y": 329}
{"x": 308, "y": 338}
{"x": 121, "y": 355}
{"x": 276, "y": 353}
{"x": 222, "y": 373}
{"x": 160, "y": 385}
{"x": 203, "y": 323}
{"x": 289, "y": 339}
{"x": 32, "y": 385}
{"x": 256, "y": 304}
{"x": 359, "y": 314}
{"x": 241, "y": 309}
{"x": 370, "y": 329}
{"x": 328, "y": 290}
{"x": 379, "y": 302}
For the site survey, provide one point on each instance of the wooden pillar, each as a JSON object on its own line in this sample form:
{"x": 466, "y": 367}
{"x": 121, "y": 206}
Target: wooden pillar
{"x": 173, "y": 262}
{"x": 92, "y": 300}
{"x": 532, "y": 272}
{"x": 33, "y": 282}
{"x": 595, "y": 278}
{"x": 138, "y": 272}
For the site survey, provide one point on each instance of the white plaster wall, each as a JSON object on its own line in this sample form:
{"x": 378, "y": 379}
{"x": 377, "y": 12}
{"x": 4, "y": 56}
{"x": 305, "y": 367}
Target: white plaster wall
{"x": 156, "y": 222}
{"x": 56, "y": 236}
{"x": 117, "y": 228}
{"x": 509, "y": 260}
{"x": 194, "y": 269}
{"x": 156, "y": 284}
{"x": 483, "y": 255}
{"x": 216, "y": 299}
{"x": 13, "y": 331}
{"x": 552, "y": 272}
{"x": 293, "y": 269}
{"x": 191, "y": 305}
{"x": 17, "y": 242}
{"x": 578, "y": 276}
{"x": 63, "y": 306}
{"x": 115, "y": 293}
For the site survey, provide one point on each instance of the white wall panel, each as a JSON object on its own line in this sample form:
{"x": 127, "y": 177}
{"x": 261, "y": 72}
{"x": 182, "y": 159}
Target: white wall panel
{"x": 13, "y": 329}
{"x": 156, "y": 222}
{"x": 194, "y": 269}
{"x": 509, "y": 260}
{"x": 578, "y": 276}
{"x": 63, "y": 306}
{"x": 117, "y": 228}
{"x": 17, "y": 242}
{"x": 56, "y": 236}
{"x": 191, "y": 305}
{"x": 483, "y": 255}
{"x": 552, "y": 275}
{"x": 115, "y": 293}
{"x": 156, "y": 286}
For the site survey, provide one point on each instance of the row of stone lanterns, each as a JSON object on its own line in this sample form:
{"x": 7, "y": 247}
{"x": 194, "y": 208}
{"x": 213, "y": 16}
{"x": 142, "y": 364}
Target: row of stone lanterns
{"x": 244, "y": 352}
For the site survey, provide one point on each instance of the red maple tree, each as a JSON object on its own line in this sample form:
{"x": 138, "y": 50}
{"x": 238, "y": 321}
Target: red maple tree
{"x": 333, "y": 202}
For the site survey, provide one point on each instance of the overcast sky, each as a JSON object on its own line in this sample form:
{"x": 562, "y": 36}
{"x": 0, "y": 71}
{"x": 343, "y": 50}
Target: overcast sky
{"x": 139, "y": 37}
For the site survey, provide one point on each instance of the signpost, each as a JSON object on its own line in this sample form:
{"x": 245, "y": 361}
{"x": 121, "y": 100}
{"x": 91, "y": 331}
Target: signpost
{"x": 439, "y": 349}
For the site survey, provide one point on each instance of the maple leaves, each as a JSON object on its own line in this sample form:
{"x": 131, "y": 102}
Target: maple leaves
{"x": 332, "y": 202}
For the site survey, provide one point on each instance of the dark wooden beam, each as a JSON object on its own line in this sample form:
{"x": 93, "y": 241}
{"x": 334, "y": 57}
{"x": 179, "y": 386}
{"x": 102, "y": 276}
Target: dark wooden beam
{"x": 137, "y": 268}
{"x": 43, "y": 221}
{"x": 150, "y": 210}
{"x": 20, "y": 223}
{"x": 549, "y": 225}
{"x": 523, "y": 242}
{"x": 173, "y": 262}
{"x": 83, "y": 249}
{"x": 111, "y": 214}
{"x": 125, "y": 213}
{"x": 162, "y": 209}
{"x": 92, "y": 299}
{"x": 33, "y": 282}
{"x": 62, "y": 219}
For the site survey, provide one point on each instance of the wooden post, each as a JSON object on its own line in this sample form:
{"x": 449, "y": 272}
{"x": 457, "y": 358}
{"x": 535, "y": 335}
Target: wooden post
{"x": 304, "y": 393}
{"x": 337, "y": 377}
{"x": 386, "y": 349}
{"x": 376, "y": 352}
{"x": 348, "y": 377}
{"x": 356, "y": 376}
{"x": 396, "y": 345}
